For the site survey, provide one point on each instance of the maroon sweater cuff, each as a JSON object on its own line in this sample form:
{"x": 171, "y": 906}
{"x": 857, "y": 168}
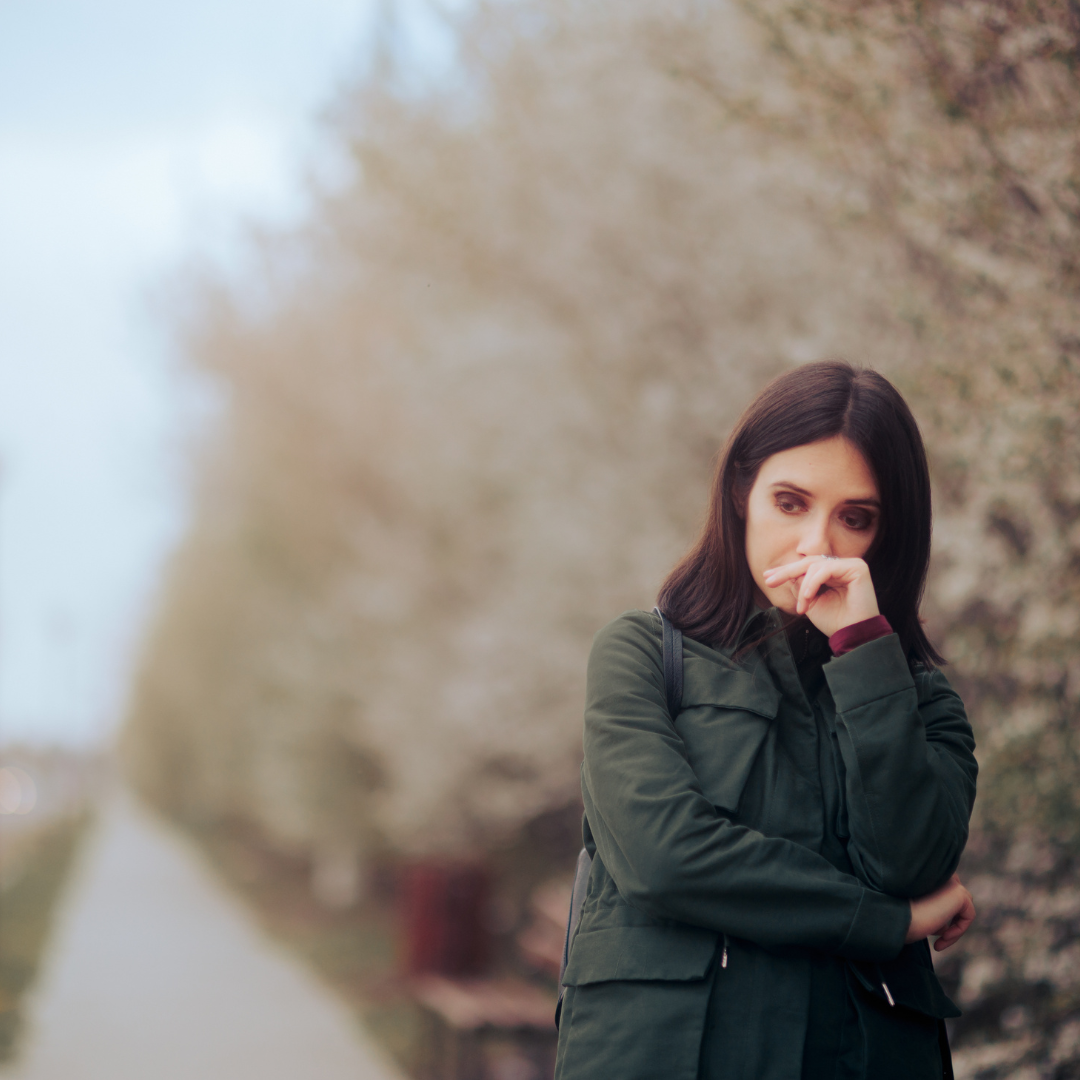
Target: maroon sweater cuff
{"x": 851, "y": 637}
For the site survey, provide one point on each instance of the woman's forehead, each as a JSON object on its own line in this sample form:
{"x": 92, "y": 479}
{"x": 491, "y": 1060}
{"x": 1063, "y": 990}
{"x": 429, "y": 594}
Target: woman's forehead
{"x": 822, "y": 467}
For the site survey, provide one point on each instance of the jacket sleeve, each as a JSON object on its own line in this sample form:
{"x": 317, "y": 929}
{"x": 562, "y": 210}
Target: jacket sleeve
{"x": 908, "y": 754}
{"x": 670, "y": 852}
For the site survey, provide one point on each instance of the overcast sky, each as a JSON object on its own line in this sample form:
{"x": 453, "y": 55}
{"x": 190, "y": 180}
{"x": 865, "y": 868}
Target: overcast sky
{"x": 131, "y": 135}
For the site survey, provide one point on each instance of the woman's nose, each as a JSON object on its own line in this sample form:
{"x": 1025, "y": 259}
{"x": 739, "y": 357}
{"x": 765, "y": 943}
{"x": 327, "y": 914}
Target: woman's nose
{"x": 815, "y": 539}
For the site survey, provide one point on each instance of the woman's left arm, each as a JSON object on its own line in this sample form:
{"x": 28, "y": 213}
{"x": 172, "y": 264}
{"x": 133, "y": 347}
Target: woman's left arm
{"x": 908, "y": 749}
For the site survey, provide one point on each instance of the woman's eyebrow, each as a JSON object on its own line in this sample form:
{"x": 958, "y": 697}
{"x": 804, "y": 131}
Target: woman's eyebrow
{"x": 787, "y": 485}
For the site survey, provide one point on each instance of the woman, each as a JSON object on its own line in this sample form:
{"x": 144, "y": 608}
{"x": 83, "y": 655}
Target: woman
{"x": 769, "y": 862}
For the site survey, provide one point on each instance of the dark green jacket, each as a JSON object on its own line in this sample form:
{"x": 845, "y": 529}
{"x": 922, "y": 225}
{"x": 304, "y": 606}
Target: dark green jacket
{"x": 707, "y": 834}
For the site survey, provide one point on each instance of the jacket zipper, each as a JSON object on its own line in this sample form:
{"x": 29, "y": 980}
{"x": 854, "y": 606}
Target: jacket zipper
{"x": 723, "y": 955}
{"x": 888, "y": 996}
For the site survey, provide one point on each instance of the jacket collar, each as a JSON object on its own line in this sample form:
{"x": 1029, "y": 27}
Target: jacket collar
{"x": 760, "y": 620}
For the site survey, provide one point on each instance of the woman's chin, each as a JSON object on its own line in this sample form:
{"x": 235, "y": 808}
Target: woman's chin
{"x": 783, "y": 600}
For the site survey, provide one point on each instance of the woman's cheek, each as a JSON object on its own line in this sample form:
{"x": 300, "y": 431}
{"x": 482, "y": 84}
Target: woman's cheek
{"x": 789, "y": 600}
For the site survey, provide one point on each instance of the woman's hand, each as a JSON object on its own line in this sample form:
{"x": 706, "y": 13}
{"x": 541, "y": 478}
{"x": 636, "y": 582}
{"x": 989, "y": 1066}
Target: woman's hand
{"x": 946, "y": 913}
{"x": 832, "y": 593}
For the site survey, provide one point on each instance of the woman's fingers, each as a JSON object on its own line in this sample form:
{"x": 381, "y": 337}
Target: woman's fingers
{"x": 960, "y": 923}
{"x": 946, "y": 913}
{"x": 967, "y": 915}
{"x": 839, "y": 569}
{"x": 834, "y": 592}
{"x": 807, "y": 587}
{"x": 813, "y": 572}
{"x": 823, "y": 575}
{"x": 780, "y": 574}
{"x": 946, "y": 941}
{"x": 816, "y": 577}
{"x": 949, "y": 934}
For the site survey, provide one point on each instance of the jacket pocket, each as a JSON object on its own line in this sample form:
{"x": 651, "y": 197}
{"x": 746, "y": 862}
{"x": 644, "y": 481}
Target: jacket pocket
{"x": 902, "y": 1009}
{"x": 635, "y": 1003}
{"x": 726, "y": 714}
{"x": 640, "y": 953}
{"x": 908, "y": 981}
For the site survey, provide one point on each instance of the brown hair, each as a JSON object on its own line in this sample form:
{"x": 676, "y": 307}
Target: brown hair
{"x": 709, "y": 595}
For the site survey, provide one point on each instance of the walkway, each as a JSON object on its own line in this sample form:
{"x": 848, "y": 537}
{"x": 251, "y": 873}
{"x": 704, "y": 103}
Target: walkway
{"x": 157, "y": 973}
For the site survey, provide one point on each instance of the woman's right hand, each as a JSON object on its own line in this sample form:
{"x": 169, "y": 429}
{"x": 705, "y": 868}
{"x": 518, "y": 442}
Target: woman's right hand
{"x": 947, "y": 913}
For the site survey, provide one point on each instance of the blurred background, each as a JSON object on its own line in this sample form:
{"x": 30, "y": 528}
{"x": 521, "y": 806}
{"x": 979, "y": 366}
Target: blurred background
{"x": 359, "y": 359}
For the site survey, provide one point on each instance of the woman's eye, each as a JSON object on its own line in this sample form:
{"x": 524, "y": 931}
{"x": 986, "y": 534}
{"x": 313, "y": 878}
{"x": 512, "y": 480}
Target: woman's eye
{"x": 788, "y": 505}
{"x": 858, "y": 522}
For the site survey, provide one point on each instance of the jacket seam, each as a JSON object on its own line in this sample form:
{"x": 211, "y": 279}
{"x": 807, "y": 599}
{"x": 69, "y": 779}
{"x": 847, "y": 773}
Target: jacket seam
{"x": 870, "y": 701}
{"x": 854, "y": 921}
{"x": 867, "y": 801}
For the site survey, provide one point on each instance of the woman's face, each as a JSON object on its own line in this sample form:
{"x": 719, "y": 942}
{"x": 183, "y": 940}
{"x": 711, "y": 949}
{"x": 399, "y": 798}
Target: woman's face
{"x": 817, "y": 499}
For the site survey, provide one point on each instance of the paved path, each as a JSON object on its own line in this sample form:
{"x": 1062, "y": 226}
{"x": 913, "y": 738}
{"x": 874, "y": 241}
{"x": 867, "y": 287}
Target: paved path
{"x": 157, "y": 973}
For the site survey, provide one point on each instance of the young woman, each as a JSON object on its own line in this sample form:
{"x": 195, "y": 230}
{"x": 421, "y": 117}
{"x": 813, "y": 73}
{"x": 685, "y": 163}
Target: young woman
{"x": 769, "y": 862}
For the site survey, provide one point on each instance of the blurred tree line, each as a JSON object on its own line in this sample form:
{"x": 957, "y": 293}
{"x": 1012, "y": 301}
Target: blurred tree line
{"x": 472, "y": 405}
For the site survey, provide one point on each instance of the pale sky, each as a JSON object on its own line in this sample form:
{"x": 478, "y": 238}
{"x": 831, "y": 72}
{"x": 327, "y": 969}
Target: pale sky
{"x": 132, "y": 136}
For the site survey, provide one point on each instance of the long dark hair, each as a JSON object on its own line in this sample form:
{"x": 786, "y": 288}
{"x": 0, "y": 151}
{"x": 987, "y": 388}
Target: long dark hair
{"x": 709, "y": 595}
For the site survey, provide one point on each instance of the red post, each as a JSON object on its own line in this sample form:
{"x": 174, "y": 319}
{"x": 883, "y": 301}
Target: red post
{"x": 445, "y": 906}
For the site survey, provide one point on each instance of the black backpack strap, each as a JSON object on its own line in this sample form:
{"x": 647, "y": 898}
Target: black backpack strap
{"x": 673, "y": 664}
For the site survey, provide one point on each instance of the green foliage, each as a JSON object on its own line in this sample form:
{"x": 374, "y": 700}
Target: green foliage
{"x": 495, "y": 384}
{"x": 27, "y": 909}
{"x": 477, "y": 423}
{"x": 961, "y": 124}
{"x": 472, "y": 415}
